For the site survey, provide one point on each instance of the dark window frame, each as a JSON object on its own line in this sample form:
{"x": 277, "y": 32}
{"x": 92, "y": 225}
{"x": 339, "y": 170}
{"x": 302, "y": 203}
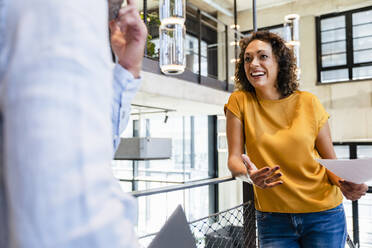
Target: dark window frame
{"x": 349, "y": 47}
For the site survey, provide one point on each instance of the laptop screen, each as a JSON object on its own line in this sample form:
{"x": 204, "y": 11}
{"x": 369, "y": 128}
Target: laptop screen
{"x": 175, "y": 232}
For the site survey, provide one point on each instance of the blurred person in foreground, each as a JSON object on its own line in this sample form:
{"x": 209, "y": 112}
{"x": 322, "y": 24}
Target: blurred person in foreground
{"x": 62, "y": 104}
{"x": 283, "y": 130}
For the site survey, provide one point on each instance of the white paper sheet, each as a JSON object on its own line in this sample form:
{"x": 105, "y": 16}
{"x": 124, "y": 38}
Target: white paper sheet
{"x": 353, "y": 170}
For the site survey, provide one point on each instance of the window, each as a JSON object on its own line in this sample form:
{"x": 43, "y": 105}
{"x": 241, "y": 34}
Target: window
{"x": 191, "y": 160}
{"x": 342, "y": 152}
{"x": 344, "y": 46}
{"x": 192, "y": 55}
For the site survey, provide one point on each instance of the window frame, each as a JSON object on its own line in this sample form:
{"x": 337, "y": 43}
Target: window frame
{"x": 349, "y": 47}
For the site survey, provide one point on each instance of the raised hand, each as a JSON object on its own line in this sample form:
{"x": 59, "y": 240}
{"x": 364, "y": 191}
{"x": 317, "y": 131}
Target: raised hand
{"x": 262, "y": 178}
{"x": 353, "y": 191}
{"x": 128, "y": 38}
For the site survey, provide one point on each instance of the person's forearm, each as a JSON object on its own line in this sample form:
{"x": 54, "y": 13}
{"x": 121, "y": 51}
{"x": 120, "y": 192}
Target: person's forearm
{"x": 333, "y": 178}
{"x": 325, "y": 149}
{"x": 236, "y": 166}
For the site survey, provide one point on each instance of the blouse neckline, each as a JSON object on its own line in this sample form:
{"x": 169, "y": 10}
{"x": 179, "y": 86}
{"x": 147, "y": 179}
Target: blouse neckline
{"x": 285, "y": 99}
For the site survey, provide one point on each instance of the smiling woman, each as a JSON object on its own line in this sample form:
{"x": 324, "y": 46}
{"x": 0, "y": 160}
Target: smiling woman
{"x": 284, "y": 130}
{"x": 279, "y": 54}
{"x": 261, "y": 69}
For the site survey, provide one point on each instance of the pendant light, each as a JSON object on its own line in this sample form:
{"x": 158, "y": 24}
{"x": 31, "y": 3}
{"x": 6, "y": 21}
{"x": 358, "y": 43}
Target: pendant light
{"x": 292, "y": 37}
{"x": 172, "y": 34}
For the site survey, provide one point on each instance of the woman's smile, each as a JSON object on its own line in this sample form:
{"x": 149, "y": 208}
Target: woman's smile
{"x": 260, "y": 64}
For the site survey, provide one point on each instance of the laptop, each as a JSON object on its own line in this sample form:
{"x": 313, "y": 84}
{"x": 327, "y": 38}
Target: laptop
{"x": 175, "y": 232}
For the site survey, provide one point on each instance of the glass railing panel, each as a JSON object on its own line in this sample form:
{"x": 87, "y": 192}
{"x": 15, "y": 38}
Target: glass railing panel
{"x": 220, "y": 53}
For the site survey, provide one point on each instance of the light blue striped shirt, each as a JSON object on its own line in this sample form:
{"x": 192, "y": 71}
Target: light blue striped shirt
{"x": 57, "y": 125}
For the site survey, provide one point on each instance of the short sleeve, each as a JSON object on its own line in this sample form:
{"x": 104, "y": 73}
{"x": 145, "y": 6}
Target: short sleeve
{"x": 234, "y": 105}
{"x": 321, "y": 115}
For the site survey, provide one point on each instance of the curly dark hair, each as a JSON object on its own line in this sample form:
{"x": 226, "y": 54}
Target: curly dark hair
{"x": 287, "y": 75}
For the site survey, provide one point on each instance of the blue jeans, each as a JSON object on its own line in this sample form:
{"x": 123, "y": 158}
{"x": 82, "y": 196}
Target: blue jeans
{"x": 316, "y": 230}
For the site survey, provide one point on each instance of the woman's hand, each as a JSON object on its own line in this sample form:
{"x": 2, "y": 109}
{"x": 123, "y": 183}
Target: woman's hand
{"x": 262, "y": 178}
{"x": 353, "y": 191}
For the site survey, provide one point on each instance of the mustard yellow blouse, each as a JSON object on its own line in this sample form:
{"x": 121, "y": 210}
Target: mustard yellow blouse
{"x": 283, "y": 132}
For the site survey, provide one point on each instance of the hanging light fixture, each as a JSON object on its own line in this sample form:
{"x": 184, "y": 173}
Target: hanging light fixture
{"x": 291, "y": 27}
{"x": 292, "y": 37}
{"x": 172, "y": 33}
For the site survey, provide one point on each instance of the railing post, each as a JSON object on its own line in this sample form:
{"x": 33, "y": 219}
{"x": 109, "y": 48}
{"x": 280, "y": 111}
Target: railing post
{"x": 355, "y": 223}
{"x": 249, "y": 215}
{"x": 199, "y": 42}
{"x": 227, "y": 56}
{"x": 236, "y": 29}
{"x": 353, "y": 155}
{"x": 213, "y": 163}
{"x": 136, "y": 133}
{"x": 145, "y": 21}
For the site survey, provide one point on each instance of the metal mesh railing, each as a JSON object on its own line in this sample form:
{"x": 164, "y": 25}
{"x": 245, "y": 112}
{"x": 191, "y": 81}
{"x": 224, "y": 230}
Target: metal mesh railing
{"x": 232, "y": 228}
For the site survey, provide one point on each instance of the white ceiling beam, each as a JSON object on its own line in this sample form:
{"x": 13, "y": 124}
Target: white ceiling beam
{"x": 219, "y": 8}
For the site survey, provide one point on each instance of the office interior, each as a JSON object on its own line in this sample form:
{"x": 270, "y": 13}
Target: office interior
{"x": 335, "y": 59}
